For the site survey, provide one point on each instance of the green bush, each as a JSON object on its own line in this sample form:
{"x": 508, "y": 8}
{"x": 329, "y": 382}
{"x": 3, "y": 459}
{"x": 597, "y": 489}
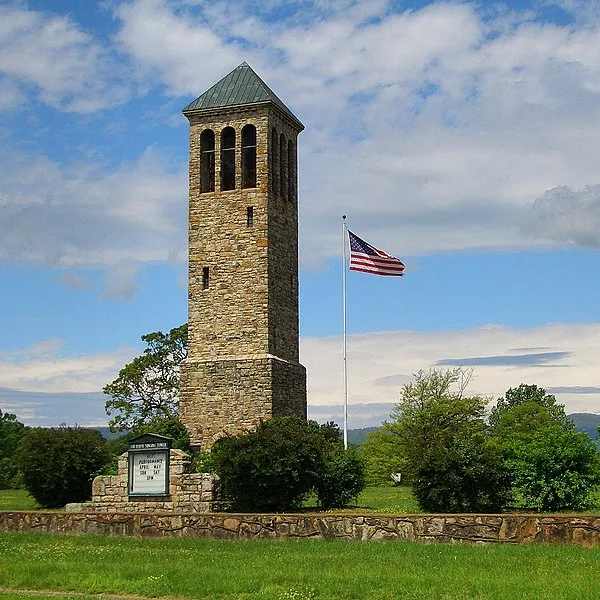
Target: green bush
{"x": 58, "y": 465}
{"x": 276, "y": 466}
{"x": 556, "y": 471}
{"x": 341, "y": 479}
{"x": 467, "y": 475}
{"x": 11, "y": 433}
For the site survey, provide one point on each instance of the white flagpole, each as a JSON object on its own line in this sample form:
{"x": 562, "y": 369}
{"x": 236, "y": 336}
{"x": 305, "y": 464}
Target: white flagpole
{"x": 344, "y": 353}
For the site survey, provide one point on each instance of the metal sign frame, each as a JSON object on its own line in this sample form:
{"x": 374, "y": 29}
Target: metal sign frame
{"x": 149, "y": 457}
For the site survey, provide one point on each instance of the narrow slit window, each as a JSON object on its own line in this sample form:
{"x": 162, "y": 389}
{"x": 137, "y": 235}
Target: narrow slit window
{"x": 205, "y": 278}
{"x": 249, "y": 156}
{"x": 250, "y": 216}
{"x": 274, "y": 161}
{"x": 207, "y": 161}
{"x": 282, "y": 167}
{"x": 291, "y": 160}
{"x": 228, "y": 159}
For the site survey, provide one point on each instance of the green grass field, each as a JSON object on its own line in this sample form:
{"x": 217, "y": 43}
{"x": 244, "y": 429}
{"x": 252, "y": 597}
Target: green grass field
{"x": 17, "y": 500}
{"x": 387, "y": 500}
{"x": 298, "y": 570}
{"x": 373, "y": 499}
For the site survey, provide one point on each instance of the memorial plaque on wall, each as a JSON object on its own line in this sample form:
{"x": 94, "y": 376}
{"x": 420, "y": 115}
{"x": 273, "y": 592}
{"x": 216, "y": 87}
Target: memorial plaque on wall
{"x": 149, "y": 465}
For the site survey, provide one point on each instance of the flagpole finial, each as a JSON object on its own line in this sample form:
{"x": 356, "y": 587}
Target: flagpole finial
{"x": 344, "y": 217}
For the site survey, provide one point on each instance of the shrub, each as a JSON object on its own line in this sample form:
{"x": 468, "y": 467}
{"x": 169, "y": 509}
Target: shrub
{"x": 556, "y": 471}
{"x": 11, "y": 433}
{"x": 468, "y": 475}
{"x": 341, "y": 479}
{"x": 276, "y": 466}
{"x": 58, "y": 465}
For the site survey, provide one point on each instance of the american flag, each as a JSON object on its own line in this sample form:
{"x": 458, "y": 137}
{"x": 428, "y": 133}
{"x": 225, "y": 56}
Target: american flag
{"x": 367, "y": 258}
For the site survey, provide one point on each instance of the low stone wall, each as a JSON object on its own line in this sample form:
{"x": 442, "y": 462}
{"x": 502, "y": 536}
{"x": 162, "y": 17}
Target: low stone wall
{"x": 188, "y": 492}
{"x": 583, "y": 530}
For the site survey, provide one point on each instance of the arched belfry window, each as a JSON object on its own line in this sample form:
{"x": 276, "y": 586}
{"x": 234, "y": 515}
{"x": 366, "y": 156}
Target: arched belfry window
{"x": 249, "y": 156}
{"x": 207, "y": 161}
{"x": 228, "y": 159}
{"x": 274, "y": 161}
{"x": 283, "y": 183}
{"x": 291, "y": 170}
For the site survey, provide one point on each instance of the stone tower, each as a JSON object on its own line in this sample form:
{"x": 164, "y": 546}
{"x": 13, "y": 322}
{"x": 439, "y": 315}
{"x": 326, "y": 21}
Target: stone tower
{"x": 243, "y": 359}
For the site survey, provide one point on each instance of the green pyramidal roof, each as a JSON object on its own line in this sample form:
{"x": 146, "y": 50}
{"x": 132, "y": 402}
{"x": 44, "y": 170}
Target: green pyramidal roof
{"x": 241, "y": 87}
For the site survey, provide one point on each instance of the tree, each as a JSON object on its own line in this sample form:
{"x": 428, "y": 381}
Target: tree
{"x": 382, "y": 455}
{"x": 526, "y": 410}
{"x": 553, "y": 467}
{"x": 11, "y": 434}
{"x": 556, "y": 470}
{"x": 147, "y": 388}
{"x": 276, "y": 466}
{"x": 443, "y": 435}
{"x": 59, "y": 464}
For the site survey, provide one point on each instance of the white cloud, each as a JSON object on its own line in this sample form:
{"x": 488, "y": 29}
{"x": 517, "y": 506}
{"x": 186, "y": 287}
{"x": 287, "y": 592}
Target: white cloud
{"x": 45, "y": 367}
{"x": 50, "y": 58}
{"x": 68, "y": 216}
{"x": 120, "y": 281}
{"x": 559, "y": 358}
{"x": 74, "y": 282}
{"x": 436, "y": 127}
{"x": 555, "y": 356}
{"x": 568, "y": 216}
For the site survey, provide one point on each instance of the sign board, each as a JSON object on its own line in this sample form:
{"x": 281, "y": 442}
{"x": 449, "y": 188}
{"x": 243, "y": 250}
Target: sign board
{"x": 149, "y": 465}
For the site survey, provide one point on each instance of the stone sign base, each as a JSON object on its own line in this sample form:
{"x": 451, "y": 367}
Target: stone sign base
{"x": 188, "y": 492}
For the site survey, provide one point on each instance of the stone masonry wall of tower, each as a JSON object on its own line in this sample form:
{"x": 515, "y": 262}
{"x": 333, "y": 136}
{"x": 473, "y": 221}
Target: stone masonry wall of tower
{"x": 242, "y": 363}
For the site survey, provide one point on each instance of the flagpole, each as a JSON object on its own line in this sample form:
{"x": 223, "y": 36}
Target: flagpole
{"x": 344, "y": 352}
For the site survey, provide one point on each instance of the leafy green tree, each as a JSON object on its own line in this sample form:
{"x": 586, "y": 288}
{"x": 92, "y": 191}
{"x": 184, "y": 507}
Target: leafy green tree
{"x": 276, "y": 466}
{"x": 59, "y": 464}
{"x": 11, "y": 434}
{"x": 382, "y": 455}
{"x": 147, "y": 388}
{"x": 553, "y": 467}
{"x": 556, "y": 470}
{"x": 442, "y": 432}
{"x": 526, "y": 410}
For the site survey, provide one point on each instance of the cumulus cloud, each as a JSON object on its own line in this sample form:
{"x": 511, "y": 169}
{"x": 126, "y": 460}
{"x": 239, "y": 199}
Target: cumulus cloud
{"x": 50, "y": 58}
{"x": 567, "y": 215}
{"x": 60, "y": 216}
{"x": 449, "y": 136}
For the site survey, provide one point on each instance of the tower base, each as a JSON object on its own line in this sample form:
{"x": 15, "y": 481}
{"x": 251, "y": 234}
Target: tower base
{"x": 231, "y": 396}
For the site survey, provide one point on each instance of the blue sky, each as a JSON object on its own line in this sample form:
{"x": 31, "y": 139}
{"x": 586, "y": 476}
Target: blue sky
{"x": 460, "y": 136}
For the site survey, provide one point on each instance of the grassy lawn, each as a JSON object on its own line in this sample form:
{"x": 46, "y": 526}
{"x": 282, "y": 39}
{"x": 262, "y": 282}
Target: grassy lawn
{"x": 295, "y": 569}
{"x": 386, "y": 500}
{"x": 17, "y": 500}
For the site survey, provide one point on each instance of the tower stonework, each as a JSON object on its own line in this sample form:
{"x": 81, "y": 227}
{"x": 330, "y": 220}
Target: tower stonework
{"x": 243, "y": 347}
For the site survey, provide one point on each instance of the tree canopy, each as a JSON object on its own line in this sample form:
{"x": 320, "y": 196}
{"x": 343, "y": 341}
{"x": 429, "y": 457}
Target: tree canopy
{"x": 553, "y": 467}
{"x": 452, "y": 465}
{"x": 11, "y": 434}
{"x": 147, "y": 388}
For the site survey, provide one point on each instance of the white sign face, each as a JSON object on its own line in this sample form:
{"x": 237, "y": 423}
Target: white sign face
{"x": 148, "y": 472}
